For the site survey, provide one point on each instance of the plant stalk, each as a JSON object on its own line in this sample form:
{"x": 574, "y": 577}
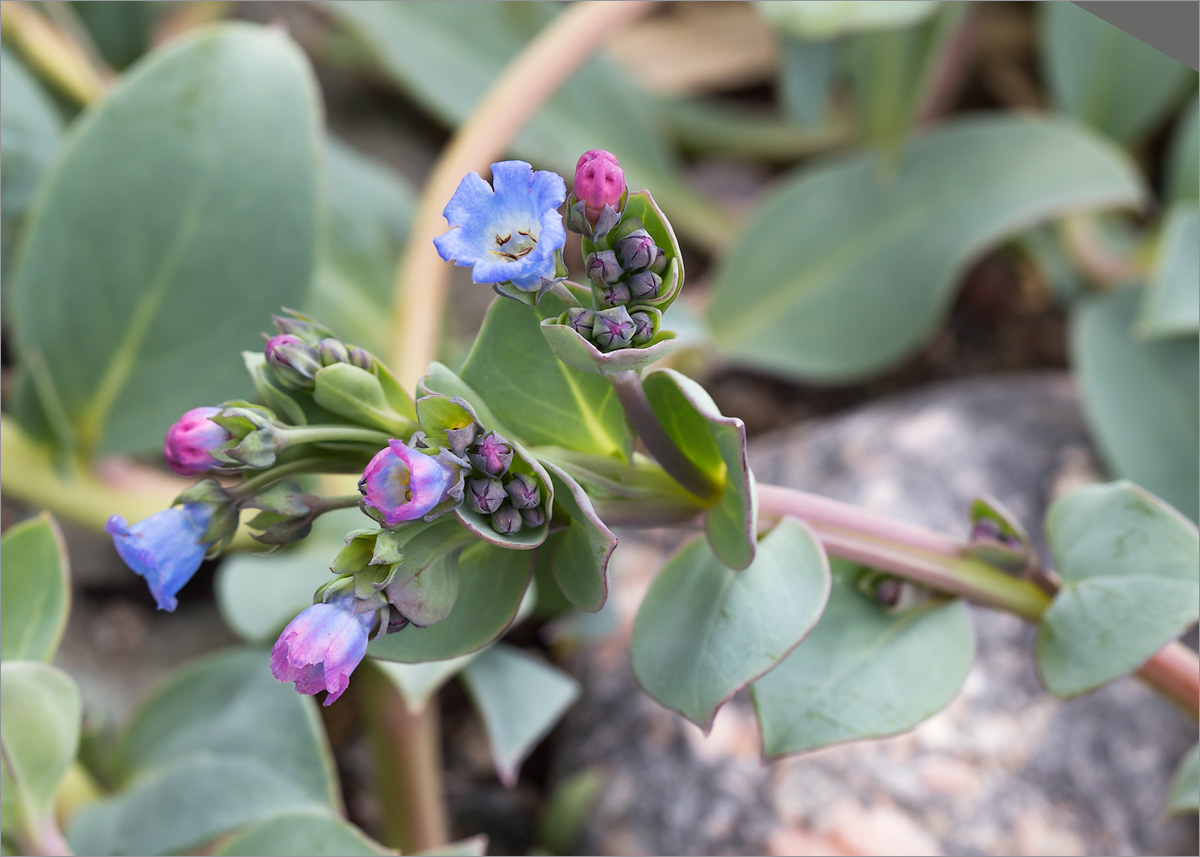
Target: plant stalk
{"x": 408, "y": 766}
{"x": 632, "y": 396}
{"x": 52, "y": 52}
{"x": 333, "y": 434}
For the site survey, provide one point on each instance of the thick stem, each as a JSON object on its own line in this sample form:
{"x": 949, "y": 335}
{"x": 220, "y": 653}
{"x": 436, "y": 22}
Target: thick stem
{"x": 936, "y": 561}
{"x": 52, "y": 52}
{"x": 408, "y": 770}
{"x": 537, "y": 73}
{"x": 266, "y": 478}
{"x": 560, "y": 291}
{"x": 333, "y": 434}
{"x": 637, "y": 407}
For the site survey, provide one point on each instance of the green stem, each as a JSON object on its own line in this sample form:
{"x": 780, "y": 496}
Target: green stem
{"x": 294, "y": 436}
{"x": 408, "y": 772}
{"x": 312, "y": 464}
{"x": 345, "y": 501}
{"x": 560, "y": 291}
{"x": 632, "y": 397}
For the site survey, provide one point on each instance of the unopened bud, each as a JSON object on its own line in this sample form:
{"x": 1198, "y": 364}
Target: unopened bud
{"x": 534, "y": 517}
{"x": 506, "y": 519}
{"x": 643, "y": 328}
{"x": 492, "y": 455}
{"x": 523, "y": 491}
{"x": 361, "y": 358}
{"x": 581, "y": 320}
{"x": 295, "y": 324}
{"x": 599, "y": 181}
{"x": 617, "y": 294}
{"x": 659, "y": 263}
{"x": 459, "y": 439}
{"x": 332, "y": 351}
{"x": 636, "y": 251}
{"x": 613, "y": 329}
{"x": 189, "y": 444}
{"x": 603, "y": 268}
{"x": 295, "y": 361}
{"x": 644, "y": 285}
{"x": 484, "y": 495}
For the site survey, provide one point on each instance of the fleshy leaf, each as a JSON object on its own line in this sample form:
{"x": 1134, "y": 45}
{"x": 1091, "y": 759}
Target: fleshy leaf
{"x": 580, "y": 557}
{"x": 1171, "y": 306}
{"x": 1185, "y": 788}
{"x": 319, "y": 834}
{"x": 35, "y": 590}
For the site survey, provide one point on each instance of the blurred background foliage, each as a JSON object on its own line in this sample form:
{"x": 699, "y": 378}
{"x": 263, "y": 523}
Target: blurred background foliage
{"x": 870, "y": 196}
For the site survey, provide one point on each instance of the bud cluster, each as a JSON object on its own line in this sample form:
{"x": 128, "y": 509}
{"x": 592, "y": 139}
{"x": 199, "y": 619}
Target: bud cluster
{"x": 509, "y": 499}
{"x": 303, "y": 347}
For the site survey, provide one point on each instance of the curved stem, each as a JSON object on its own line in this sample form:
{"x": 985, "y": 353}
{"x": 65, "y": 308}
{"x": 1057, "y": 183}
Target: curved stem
{"x": 265, "y": 478}
{"x": 560, "y": 291}
{"x": 628, "y": 387}
{"x": 537, "y": 73}
{"x": 936, "y": 561}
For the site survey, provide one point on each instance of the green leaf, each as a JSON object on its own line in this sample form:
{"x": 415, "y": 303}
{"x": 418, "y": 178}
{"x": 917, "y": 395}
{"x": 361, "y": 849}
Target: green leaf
{"x": 703, "y": 631}
{"x": 841, "y": 272}
{"x": 806, "y": 76}
{"x": 319, "y": 834}
{"x": 827, "y": 20}
{"x": 863, "y": 672}
{"x": 441, "y": 379}
{"x": 1172, "y": 303}
{"x": 717, "y": 445}
{"x": 1141, "y": 398}
{"x": 580, "y": 559}
{"x": 476, "y": 846}
{"x": 29, "y": 132}
{"x": 578, "y": 353}
{"x": 180, "y": 212}
{"x": 492, "y": 581}
{"x": 1183, "y": 160}
{"x": 520, "y": 697}
{"x": 1108, "y": 78}
{"x": 1185, "y": 788}
{"x": 368, "y": 212}
{"x": 40, "y": 718}
{"x": 219, "y": 745}
{"x": 539, "y": 398}
{"x": 35, "y": 590}
{"x": 1130, "y": 569}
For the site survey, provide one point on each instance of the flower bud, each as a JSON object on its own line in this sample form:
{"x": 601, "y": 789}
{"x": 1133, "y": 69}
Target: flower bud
{"x": 484, "y": 495}
{"x": 255, "y": 437}
{"x": 332, "y": 351}
{"x": 581, "y": 320}
{"x": 636, "y": 250}
{"x": 533, "y": 517}
{"x": 296, "y": 324}
{"x": 295, "y": 361}
{"x": 320, "y": 648}
{"x": 603, "y": 268}
{"x": 644, "y": 285}
{"x": 659, "y": 263}
{"x": 401, "y": 484}
{"x": 643, "y": 328}
{"x": 613, "y": 329}
{"x": 189, "y": 444}
{"x": 523, "y": 491}
{"x": 458, "y": 439}
{"x": 492, "y": 455}
{"x": 617, "y": 294}
{"x": 599, "y": 181}
{"x": 506, "y": 519}
{"x": 361, "y": 358}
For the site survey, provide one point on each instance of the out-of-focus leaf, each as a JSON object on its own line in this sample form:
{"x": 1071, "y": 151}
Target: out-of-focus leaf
{"x": 35, "y": 590}
{"x": 1130, "y": 566}
{"x": 180, "y": 214}
{"x": 1099, "y": 73}
{"x": 520, "y": 697}
{"x": 220, "y": 745}
{"x": 1183, "y": 160}
{"x": 303, "y": 834}
{"x": 1172, "y": 303}
{"x": 863, "y": 672}
{"x": 121, "y": 31}
{"x": 1141, "y": 398}
{"x": 841, "y": 272}
{"x": 806, "y": 78}
{"x": 29, "y": 130}
{"x": 826, "y": 19}
{"x": 476, "y": 846}
{"x": 1185, "y": 788}
{"x": 567, "y": 809}
{"x": 704, "y": 631}
{"x": 40, "y": 716}
{"x": 368, "y": 211}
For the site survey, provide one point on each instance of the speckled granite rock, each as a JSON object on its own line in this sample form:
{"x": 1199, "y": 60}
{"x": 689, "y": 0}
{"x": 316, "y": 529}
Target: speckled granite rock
{"x": 1004, "y": 769}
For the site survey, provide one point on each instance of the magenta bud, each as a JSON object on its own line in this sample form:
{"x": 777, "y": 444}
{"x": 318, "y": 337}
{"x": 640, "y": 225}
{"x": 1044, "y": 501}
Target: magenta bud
{"x": 636, "y": 250}
{"x": 613, "y": 329}
{"x": 534, "y": 517}
{"x": 643, "y": 328}
{"x": 506, "y": 519}
{"x": 492, "y": 455}
{"x": 523, "y": 491}
{"x": 295, "y": 361}
{"x": 581, "y": 320}
{"x": 189, "y": 444}
{"x": 484, "y": 495}
{"x": 603, "y": 268}
{"x": 615, "y": 295}
{"x": 599, "y": 181}
{"x": 644, "y": 285}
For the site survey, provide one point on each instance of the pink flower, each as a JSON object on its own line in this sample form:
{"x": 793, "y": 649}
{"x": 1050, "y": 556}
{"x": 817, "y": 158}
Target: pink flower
{"x": 599, "y": 181}
{"x": 189, "y": 444}
{"x": 402, "y": 484}
{"x": 321, "y": 647}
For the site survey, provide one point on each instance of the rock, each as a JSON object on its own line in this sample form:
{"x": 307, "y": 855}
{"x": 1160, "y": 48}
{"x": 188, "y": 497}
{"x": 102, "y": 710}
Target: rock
{"x": 1004, "y": 769}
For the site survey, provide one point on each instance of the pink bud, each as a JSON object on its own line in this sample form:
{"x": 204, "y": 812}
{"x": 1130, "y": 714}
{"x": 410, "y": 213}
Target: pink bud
{"x": 599, "y": 181}
{"x": 190, "y": 442}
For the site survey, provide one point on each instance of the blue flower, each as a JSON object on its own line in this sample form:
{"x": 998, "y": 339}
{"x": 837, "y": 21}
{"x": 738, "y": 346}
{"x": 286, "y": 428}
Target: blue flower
{"x": 321, "y": 647}
{"x": 510, "y": 234}
{"x": 166, "y": 548}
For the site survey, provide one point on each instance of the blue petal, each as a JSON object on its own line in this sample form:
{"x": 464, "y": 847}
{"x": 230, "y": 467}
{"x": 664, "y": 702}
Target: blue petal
{"x": 548, "y": 191}
{"x": 457, "y": 246}
{"x": 472, "y": 199}
{"x": 166, "y": 549}
{"x": 512, "y": 178}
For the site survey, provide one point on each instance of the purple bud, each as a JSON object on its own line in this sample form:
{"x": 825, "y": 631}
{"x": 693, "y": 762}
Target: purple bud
{"x": 644, "y": 285}
{"x": 506, "y": 519}
{"x": 985, "y": 529}
{"x": 659, "y": 264}
{"x": 523, "y": 491}
{"x": 301, "y": 326}
{"x": 636, "y": 250}
{"x": 615, "y": 295}
{"x": 613, "y": 328}
{"x": 401, "y": 484}
{"x": 534, "y": 517}
{"x": 643, "y": 327}
{"x": 603, "y": 268}
{"x": 332, "y": 351}
{"x": 361, "y": 358}
{"x": 492, "y": 455}
{"x": 458, "y": 439}
{"x": 599, "y": 181}
{"x": 888, "y": 592}
{"x": 321, "y": 647}
{"x": 484, "y": 495}
{"x": 295, "y": 361}
{"x": 189, "y": 444}
{"x": 581, "y": 320}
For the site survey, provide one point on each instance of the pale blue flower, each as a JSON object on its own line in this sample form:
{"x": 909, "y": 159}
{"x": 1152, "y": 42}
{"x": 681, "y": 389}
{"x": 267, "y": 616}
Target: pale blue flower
{"x": 509, "y": 234}
{"x": 166, "y": 549}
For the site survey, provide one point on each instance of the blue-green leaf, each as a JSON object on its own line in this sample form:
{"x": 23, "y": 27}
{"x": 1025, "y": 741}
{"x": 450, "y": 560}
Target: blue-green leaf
{"x": 303, "y": 834}
{"x": 1185, "y": 788}
{"x": 35, "y": 590}
{"x": 1172, "y": 303}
